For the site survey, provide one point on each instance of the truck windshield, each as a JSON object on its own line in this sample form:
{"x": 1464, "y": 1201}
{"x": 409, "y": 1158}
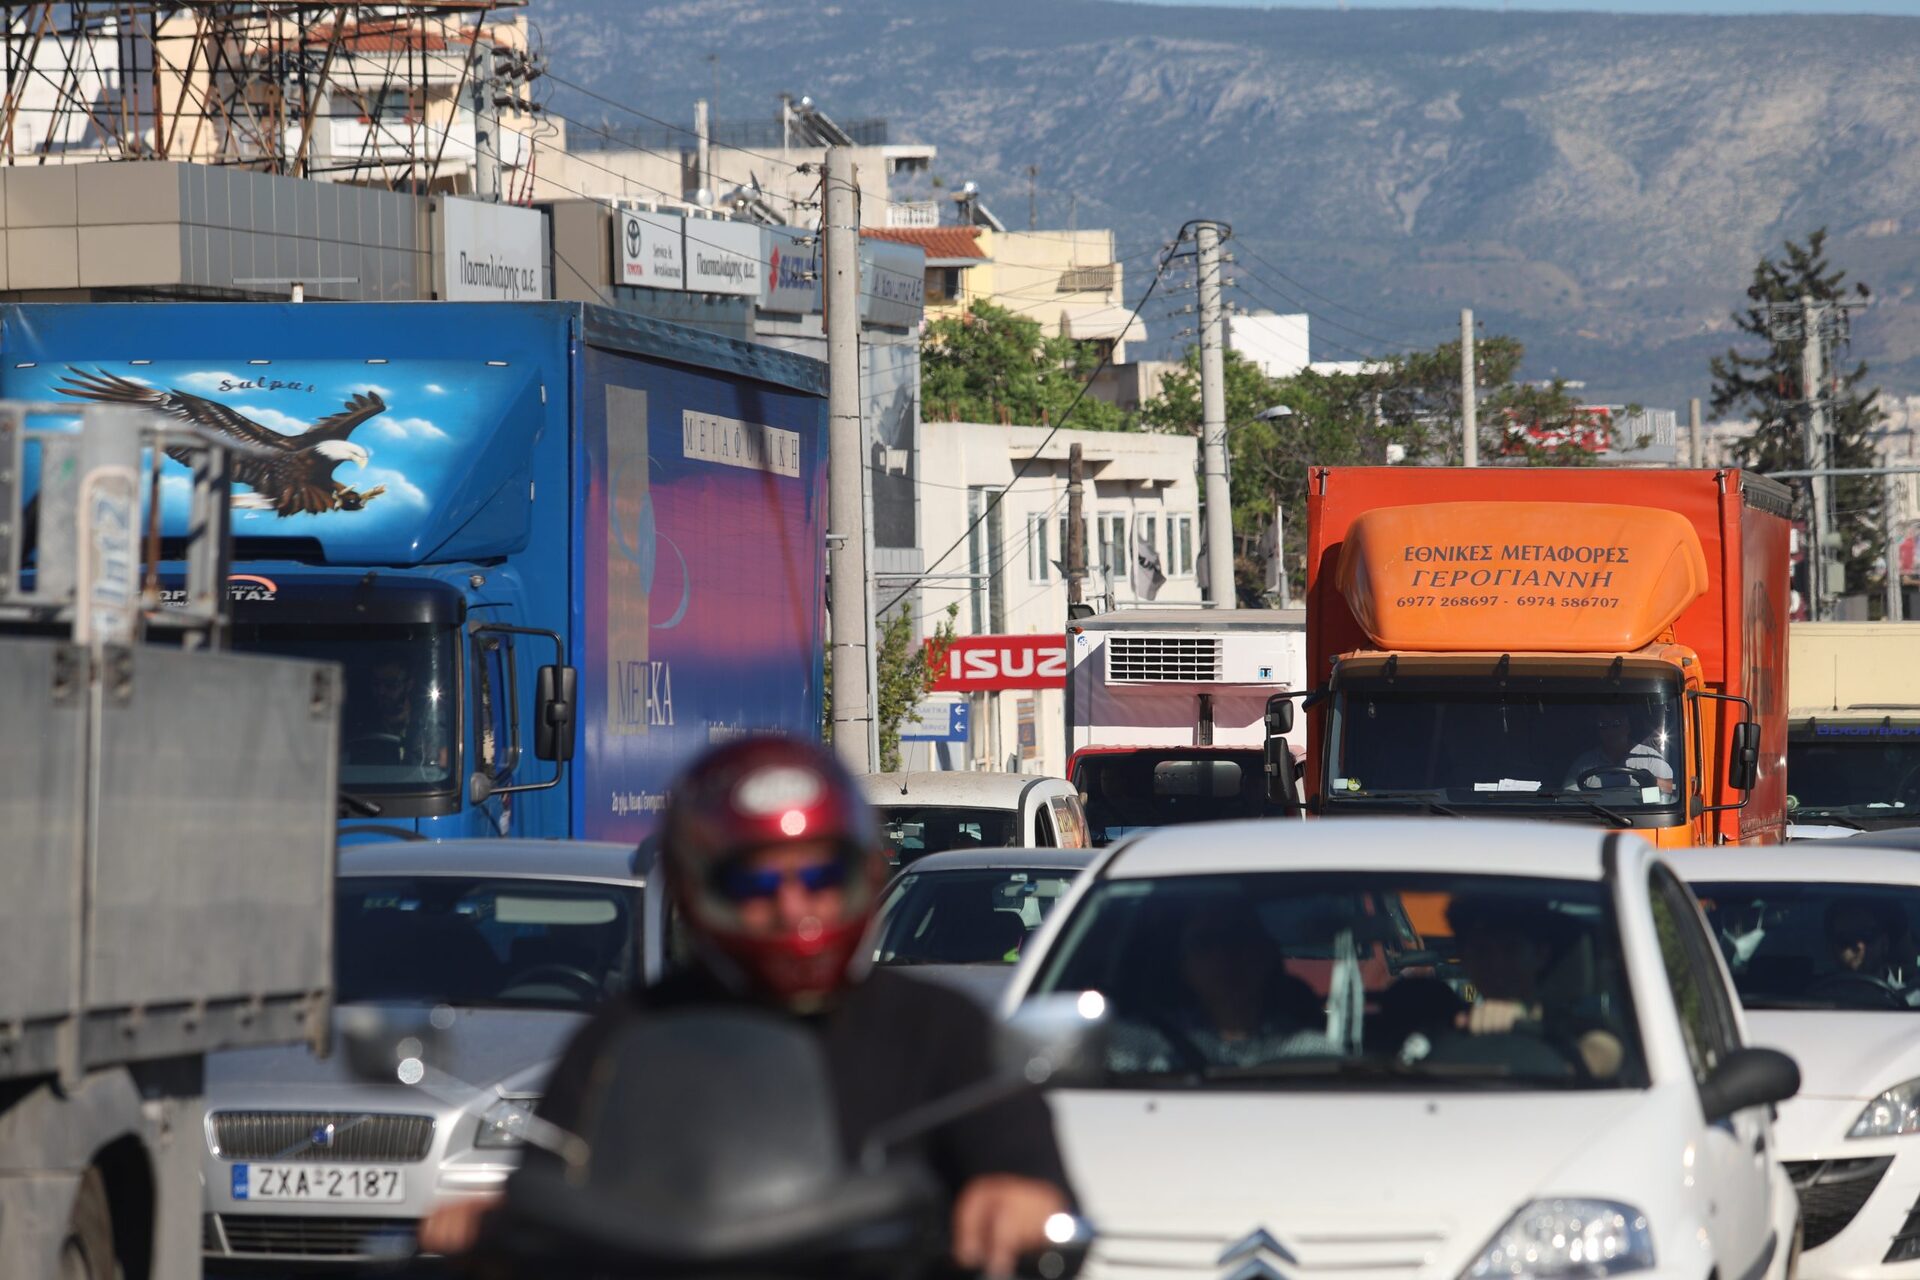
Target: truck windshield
{"x": 400, "y": 716}
{"x": 1597, "y": 751}
{"x": 1866, "y": 772}
{"x": 1134, "y": 790}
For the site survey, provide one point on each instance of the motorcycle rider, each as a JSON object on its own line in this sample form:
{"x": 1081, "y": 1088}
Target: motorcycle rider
{"x": 776, "y": 865}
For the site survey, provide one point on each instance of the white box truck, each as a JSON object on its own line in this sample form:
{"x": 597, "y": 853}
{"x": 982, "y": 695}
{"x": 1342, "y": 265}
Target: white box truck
{"x": 1167, "y": 715}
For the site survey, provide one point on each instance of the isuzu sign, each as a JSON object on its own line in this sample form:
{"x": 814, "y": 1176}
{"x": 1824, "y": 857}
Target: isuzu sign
{"x": 977, "y": 663}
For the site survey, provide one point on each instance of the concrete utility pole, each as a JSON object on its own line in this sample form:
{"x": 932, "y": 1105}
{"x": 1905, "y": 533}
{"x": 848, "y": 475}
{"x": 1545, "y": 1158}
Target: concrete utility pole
{"x": 1469, "y": 409}
{"x": 1697, "y": 454}
{"x": 1076, "y": 548}
{"x": 1213, "y": 420}
{"x": 703, "y": 154}
{"x": 853, "y": 711}
{"x": 1890, "y": 518}
{"x": 486, "y": 124}
{"x": 1812, "y": 394}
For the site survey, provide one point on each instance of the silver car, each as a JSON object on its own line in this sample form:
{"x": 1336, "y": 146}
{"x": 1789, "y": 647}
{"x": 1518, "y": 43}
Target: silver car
{"x": 518, "y": 940}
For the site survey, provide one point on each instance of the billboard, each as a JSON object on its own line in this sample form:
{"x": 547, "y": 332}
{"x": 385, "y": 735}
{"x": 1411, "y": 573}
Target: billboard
{"x": 978, "y": 663}
{"x": 648, "y": 250}
{"x": 723, "y": 257}
{"x": 893, "y": 283}
{"x": 490, "y": 252}
{"x": 791, "y": 280}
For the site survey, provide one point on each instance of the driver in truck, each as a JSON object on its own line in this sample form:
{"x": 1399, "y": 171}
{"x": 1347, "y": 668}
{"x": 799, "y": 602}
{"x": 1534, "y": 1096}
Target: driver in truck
{"x": 1617, "y": 750}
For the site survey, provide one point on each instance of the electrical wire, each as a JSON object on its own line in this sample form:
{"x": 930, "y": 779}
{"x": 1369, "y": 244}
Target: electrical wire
{"x": 1309, "y": 291}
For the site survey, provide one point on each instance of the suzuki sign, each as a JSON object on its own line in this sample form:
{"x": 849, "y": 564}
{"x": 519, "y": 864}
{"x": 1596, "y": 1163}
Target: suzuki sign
{"x": 976, "y": 663}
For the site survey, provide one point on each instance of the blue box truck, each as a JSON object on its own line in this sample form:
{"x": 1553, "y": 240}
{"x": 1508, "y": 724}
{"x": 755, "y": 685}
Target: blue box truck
{"x": 556, "y": 548}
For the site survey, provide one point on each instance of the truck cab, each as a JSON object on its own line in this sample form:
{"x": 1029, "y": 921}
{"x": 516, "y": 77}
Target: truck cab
{"x": 1167, "y": 715}
{"x": 1853, "y": 734}
{"x": 1531, "y": 649}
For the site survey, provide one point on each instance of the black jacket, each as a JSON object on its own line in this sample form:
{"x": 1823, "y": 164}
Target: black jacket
{"x": 891, "y": 1043}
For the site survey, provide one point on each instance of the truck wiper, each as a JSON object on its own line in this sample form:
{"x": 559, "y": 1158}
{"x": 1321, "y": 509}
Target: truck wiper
{"x": 355, "y": 806}
{"x": 1594, "y": 807}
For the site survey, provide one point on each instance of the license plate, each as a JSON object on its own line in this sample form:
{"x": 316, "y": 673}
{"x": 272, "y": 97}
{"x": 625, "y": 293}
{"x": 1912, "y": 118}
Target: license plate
{"x": 328, "y": 1184}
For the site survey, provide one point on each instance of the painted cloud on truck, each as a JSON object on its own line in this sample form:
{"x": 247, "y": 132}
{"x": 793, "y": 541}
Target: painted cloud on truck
{"x": 297, "y": 477}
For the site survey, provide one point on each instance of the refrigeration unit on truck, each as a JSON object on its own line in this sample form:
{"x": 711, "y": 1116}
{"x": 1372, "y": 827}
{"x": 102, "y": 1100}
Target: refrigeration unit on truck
{"x": 556, "y": 548}
{"x": 1167, "y": 714}
{"x": 1584, "y": 645}
{"x": 168, "y": 852}
{"x": 1853, "y": 724}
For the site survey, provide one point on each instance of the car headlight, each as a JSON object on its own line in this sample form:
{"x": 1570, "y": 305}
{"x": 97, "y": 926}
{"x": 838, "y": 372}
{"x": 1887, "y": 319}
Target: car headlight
{"x": 505, "y": 1123}
{"x": 1894, "y": 1112}
{"x": 1553, "y": 1238}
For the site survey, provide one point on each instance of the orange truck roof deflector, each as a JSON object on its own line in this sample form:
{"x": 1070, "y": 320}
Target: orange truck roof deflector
{"x": 1539, "y": 576}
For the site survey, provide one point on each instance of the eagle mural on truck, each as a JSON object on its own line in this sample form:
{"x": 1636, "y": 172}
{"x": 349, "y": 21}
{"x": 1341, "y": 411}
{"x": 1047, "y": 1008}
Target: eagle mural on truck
{"x": 296, "y": 475}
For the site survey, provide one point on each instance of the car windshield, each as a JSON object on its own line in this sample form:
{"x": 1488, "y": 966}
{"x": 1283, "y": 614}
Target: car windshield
{"x": 1134, "y": 790}
{"x": 966, "y": 916}
{"x": 1818, "y": 946}
{"x": 1531, "y": 744}
{"x": 1296, "y": 978}
{"x": 399, "y": 716}
{"x": 913, "y": 830}
{"x": 483, "y": 942}
{"x": 1855, "y": 770}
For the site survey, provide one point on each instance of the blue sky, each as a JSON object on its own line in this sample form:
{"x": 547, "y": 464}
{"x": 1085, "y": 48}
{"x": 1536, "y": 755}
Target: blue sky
{"x": 1902, "y": 8}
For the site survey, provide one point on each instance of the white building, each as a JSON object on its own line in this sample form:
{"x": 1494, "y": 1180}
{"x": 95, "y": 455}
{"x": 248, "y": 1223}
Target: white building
{"x": 1276, "y": 344}
{"x": 1137, "y": 487}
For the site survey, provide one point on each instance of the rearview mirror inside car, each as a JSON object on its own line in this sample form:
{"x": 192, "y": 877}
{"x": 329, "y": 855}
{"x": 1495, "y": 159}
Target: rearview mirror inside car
{"x": 555, "y": 703}
{"x": 1749, "y": 1078}
{"x": 1743, "y": 770}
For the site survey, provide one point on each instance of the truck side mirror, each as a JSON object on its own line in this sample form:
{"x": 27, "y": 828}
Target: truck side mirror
{"x": 1279, "y": 715}
{"x": 1281, "y": 779}
{"x": 556, "y": 699}
{"x": 1743, "y": 770}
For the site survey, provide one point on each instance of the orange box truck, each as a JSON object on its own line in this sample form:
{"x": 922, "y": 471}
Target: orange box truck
{"x": 1586, "y": 645}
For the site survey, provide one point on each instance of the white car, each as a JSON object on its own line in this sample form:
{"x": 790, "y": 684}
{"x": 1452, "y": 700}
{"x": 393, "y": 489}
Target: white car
{"x": 922, "y": 813}
{"x": 1307, "y": 1078}
{"x": 1846, "y": 1008}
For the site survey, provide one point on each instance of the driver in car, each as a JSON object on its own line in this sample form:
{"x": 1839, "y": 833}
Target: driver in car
{"x": 1863, "y": 943}
{"x": 1507, "y": 948}
{"x": 1615, "y": 752}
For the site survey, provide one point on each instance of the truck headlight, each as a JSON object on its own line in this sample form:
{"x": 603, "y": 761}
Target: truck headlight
{"x": 505, "y": 1123}
{"x": 1894, "y": 1112}
{"x": 1559, "y": 1238}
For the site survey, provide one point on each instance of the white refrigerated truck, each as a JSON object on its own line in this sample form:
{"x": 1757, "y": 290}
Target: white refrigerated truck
{"x": 1167, "y": 715}
{"x": 167, "y": 856}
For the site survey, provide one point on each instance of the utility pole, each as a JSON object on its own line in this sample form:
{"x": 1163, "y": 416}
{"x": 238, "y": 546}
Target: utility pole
{"x": 1033, "y": 197}
{"x": 1890, "y": 518}
{"x": 1469, "y": 410}
{"x": 703, "y": 154}
{"x": 486, "y": 124}
{"x": 1213, "y": 419}
{"x": 853, "y": 711}
{"x": 1697, "y": 452}
{"x": 1812, "y": 387}
{"x": 1076, "y": 548}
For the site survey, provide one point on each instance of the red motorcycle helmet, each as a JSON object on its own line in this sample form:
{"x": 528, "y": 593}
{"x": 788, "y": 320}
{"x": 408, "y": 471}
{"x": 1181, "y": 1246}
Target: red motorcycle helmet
{"x": 760, "y": 793}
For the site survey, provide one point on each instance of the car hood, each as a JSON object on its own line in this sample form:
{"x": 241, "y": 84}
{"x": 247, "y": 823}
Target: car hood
{"x": 1445, "y": 1169}
{"x": 1842, "y": 1054}
{"x": 484, "y": 1048}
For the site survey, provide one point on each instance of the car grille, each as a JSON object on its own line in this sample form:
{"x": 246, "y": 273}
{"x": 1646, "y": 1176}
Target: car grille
{"x": 1906, "y": 1244}
{"x": 1831, "y": 1193}
{"x": 358, "y": 1137}
{"x": 287, "y": 1236}
{"x": 1395, "y": 1251}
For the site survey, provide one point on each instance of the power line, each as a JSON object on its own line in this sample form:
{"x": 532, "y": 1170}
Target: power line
{"x": 1311, "y": 292}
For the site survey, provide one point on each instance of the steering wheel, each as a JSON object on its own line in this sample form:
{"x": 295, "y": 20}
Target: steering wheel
{"x": 383, "y": 742}
{"x": 1635, "y": 777}
{"x": 1185, "y": 1051}
{"x": 588, "y": 984}
{"x": 1849, "y": 983}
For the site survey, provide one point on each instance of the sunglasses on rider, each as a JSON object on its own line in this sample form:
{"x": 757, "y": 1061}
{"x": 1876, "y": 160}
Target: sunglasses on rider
{"x": 748, "y": 884}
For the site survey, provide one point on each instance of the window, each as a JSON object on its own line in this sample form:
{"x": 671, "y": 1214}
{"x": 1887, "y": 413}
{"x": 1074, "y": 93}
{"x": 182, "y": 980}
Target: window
{"x": 943, "y": 284}
{"x": 493, "y": 730}
{"x": 1039, "y": 565}
{"x": 1179, "y": 546}
{"x": 1043, "y": 830}
{"x": 1706, "y": 1015}
{"x": 1146, "y": 529}
{"x": 986, "y": 538}
{"x": 1113, "y": 546}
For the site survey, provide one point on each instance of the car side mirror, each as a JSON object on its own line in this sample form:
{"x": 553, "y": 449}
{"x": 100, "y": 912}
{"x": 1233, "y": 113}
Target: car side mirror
{"x": 1749, "y": 1078}
{"x": 1279, "y": 715}
{"x": 556, "y": 701}
{"x": 1059, "y": 1039}
{"x": 1743, "y": 770}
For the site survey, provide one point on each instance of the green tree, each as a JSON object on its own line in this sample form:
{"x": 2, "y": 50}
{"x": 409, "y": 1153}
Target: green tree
{"x": 994, "y": 365}
{"x": 1766, "y": 386}
{"x": 905, "y": 672}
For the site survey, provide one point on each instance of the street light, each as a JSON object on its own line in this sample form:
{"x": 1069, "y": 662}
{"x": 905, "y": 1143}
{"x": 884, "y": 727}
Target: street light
{"x": 1274, "y": 414}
